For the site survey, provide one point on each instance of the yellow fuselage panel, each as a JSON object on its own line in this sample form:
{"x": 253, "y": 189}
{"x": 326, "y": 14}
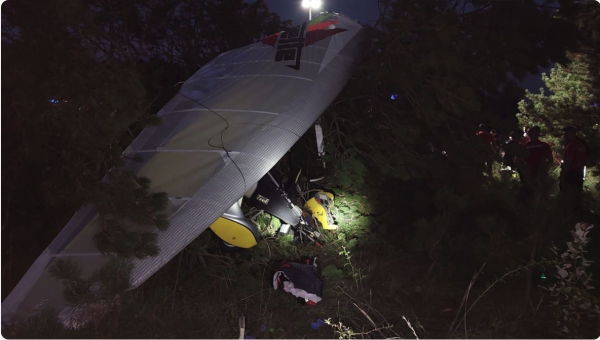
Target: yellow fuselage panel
{"x": 319, "y": 211}
{"x": 233, "y": 233}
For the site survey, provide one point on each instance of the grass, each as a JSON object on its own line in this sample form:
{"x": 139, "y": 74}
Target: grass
{"x": 379, "y": 283}
{"x": 201, "y": 294}
{"x": 206, "y": 303}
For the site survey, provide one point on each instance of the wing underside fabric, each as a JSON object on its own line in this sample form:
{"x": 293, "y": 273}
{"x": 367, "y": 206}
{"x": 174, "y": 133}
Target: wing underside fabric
{"x": 230, "y": 123}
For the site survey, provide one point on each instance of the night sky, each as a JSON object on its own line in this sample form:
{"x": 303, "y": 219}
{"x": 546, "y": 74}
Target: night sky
{"x": 365, "y": 11}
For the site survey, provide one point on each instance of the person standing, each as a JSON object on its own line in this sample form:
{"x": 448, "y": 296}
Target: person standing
{"x": 512, "y": 149}
{"x": 486, "y": 137}
{"x": 535, "y": 163}
{"x": 487, "y": 151}
{"x": 575, "y": 154}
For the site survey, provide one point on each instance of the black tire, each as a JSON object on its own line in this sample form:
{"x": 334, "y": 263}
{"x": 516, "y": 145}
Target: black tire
{"x": 227, "y": 248}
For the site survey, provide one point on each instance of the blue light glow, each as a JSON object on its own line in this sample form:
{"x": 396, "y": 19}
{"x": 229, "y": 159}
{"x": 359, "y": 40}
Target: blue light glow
{"x": 394, "y": 96}
{"x": 54, "y": 101}
{"x": 595, "y": 104}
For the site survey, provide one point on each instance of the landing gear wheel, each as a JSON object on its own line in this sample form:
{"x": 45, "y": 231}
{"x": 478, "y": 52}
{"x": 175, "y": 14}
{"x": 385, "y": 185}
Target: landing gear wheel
{"x": 226, "y": 247}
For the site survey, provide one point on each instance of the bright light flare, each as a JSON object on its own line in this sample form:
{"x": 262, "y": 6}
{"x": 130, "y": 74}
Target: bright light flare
{"x": 314, "y": 4}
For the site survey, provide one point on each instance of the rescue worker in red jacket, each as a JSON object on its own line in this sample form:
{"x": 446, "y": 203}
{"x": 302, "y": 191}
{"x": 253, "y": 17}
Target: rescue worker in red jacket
{"x": 575, "y": 154}
{"x": 488, "y": 147}
{"x": 536, "y": 162}
{"x": 486, "y": 137}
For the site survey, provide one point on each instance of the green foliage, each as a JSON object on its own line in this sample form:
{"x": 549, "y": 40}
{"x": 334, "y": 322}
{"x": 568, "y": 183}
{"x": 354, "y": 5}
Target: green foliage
{"x": 572, "y": 100}
{"x": 352, "y": 213}
{"x": 570, "y": 103}
{"x": 123, "y": 202}
{"x": 343, "y": 331}
{"x": 76, "y": 291}
{"x": 43, "y": 325}
{"x": 572, "y": 295}
{"x": 331, "y": 272}
{"x": 67, "y": 270}
{"x": 511, "y": 273}
{"x": 355, "y": 272}
{"x": 350, "y": 173}
{"x": 110, "y": 280}
{"x": 573, "y": 93}
{"x": 403, "y": 207}
{"x": 284, "y": 247}
{"x": 278, "y": 247}
{"x": 443, "y": 66}
{"x": 126, "y": 196}
{"x": 71, "y": 144}
{"x": 113, "y": 277}
{"x": 111, "y": 67}
{"x": 448, "y": 208}
{"x": 114, "y": 238}
{"x": 267, "y": 224}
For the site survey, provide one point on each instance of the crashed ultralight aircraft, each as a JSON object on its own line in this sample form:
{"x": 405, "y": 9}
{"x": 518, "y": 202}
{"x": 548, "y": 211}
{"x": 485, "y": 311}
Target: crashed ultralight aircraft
{"x": 230, "y": 123}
